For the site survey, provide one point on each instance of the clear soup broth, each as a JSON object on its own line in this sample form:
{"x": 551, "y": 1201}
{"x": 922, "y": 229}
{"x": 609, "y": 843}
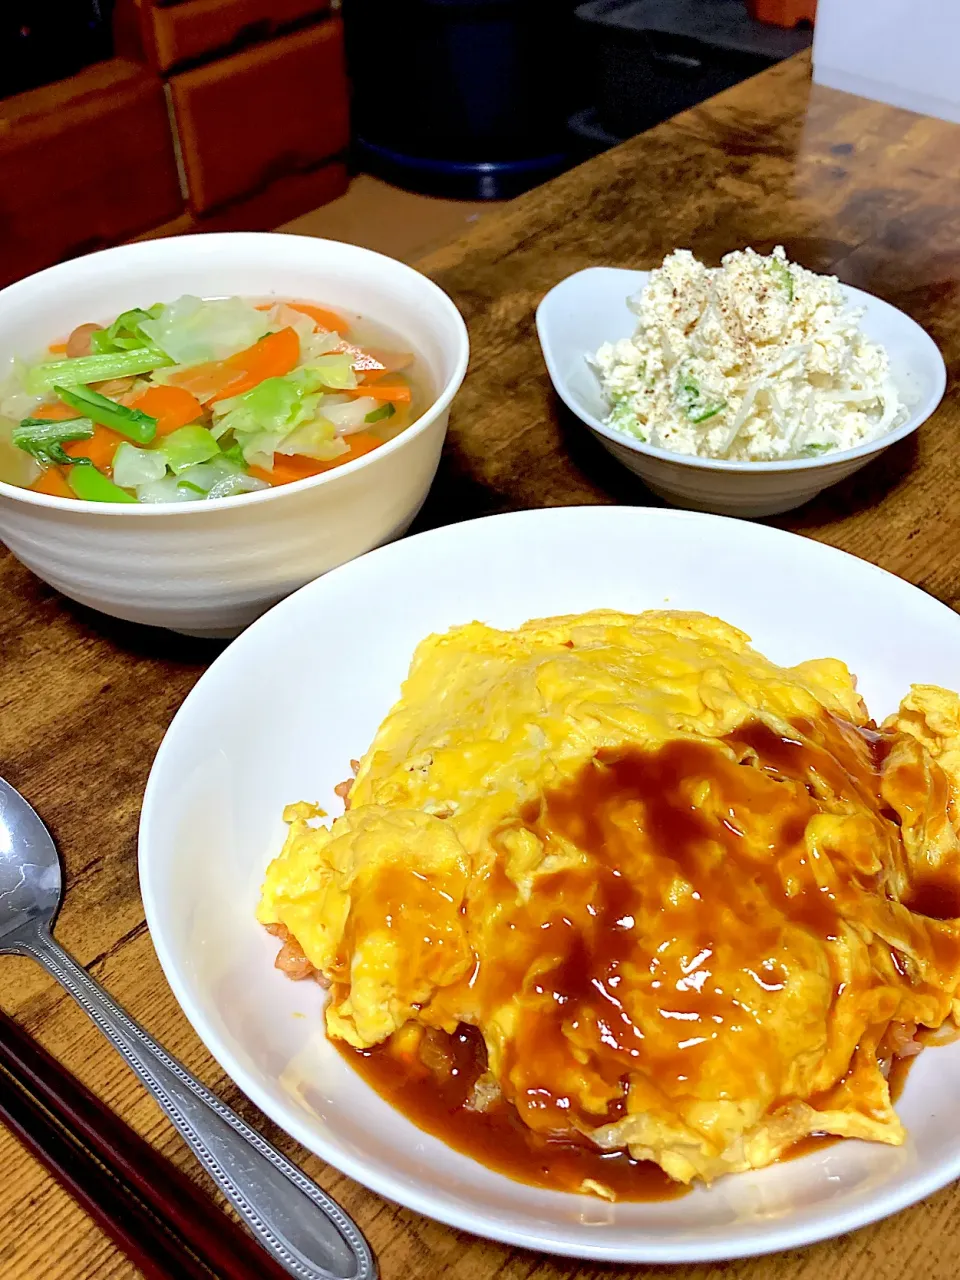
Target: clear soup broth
{"x": 199, "y": 399}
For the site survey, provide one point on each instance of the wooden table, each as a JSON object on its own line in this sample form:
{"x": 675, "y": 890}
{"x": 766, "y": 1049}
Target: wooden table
{"x": 848, "y": 186}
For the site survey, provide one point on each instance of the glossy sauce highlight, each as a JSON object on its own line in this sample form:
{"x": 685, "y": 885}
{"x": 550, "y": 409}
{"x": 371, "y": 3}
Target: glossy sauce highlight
{"x": 658, "y": 954}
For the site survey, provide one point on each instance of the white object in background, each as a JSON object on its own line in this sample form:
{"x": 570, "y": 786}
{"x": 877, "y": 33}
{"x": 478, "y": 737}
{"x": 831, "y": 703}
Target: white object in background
{"x": 277, "y": 718}
{"x": 209, "y": 568}
{"x": 903, "y": 52}
{"x": 590, "y": 307}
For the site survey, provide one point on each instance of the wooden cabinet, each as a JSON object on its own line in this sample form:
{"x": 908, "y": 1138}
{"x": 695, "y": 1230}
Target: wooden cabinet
{"x": 244, "y": 121}
{"x": 177, "y": 35}
{"x": 216, "y": 115}
{"x": 258, "y": 100}
{"x": 84, "y": 163}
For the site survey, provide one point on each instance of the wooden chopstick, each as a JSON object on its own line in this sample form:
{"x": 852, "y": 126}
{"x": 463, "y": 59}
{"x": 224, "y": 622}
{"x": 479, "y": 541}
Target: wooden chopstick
{"x": 157, "y": 1252}
{"x": 164, "y": 1223}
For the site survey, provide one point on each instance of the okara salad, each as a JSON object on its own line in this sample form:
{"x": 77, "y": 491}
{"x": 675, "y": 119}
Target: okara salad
{"x": 199, "y": 399}
{"x": 757, "y": 359}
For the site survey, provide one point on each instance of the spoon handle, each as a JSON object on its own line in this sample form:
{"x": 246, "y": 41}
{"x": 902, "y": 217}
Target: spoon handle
{"x": 307, "y": 1232}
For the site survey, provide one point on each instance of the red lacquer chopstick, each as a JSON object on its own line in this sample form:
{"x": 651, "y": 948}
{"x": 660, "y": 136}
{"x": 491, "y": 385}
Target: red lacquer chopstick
{"x": 158, "y": 1254}
{"x": 164, "y": 1223}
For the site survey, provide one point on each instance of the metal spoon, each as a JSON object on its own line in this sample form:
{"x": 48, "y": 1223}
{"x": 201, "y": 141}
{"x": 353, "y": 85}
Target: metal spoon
{"x": 307, "y": 1232}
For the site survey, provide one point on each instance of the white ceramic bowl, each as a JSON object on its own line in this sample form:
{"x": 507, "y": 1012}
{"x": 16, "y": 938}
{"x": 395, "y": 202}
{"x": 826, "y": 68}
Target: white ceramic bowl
{"x": 590, "y": 308}
{"x": 211, "y": 821}
{"x": 209, "y": 568}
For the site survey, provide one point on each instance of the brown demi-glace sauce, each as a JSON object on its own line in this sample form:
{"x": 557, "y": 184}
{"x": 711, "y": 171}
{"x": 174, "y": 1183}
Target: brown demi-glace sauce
{"x": 646, "y": 823}
{"x": 936, "y": 897}
{"x": 497, "y": 1138}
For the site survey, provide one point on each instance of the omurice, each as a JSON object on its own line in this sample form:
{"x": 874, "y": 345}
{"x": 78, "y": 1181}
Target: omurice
{"x": 614, "y": 891}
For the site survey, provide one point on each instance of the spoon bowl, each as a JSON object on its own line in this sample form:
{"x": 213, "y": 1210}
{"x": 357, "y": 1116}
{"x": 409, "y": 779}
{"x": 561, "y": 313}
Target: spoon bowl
{"x": 30, "y": 879}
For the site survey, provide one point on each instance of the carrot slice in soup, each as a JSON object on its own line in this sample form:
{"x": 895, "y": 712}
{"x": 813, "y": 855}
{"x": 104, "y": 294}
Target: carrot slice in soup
{"x": 395, "y": 392}
{"x": 323, "y": 316}
{"x": 271, "y": 357}
{"x": 202, "y": 381}
{"x": 53, "y": 483}
{"x": 100, "y": 448}
{"x": 56, "y": 411}
{"x": 360, "y": 442}
{"x": 287, "y": 469}
{"x": 173, "y": 407}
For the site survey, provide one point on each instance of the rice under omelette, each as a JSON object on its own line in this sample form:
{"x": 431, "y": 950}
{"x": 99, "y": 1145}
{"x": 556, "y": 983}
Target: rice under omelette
{"x": 693, "y": 902}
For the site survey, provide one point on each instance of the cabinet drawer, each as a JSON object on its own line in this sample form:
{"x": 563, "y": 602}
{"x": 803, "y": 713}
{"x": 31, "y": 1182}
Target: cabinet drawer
{"x": 199, "y": 29}
{"x": 278, "y": 108}
{"x": 83, "y": 163}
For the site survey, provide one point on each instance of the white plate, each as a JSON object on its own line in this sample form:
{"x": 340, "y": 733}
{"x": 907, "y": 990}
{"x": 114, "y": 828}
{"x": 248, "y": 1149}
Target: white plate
{"x": 279, "y": 715}
{"x": 590, "y": 307}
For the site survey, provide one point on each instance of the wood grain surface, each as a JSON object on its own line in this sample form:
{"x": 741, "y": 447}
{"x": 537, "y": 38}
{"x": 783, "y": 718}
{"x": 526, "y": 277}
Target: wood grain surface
{"x": 861, "y": 189}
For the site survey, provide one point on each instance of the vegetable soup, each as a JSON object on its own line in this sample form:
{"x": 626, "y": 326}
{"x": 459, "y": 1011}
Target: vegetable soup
{"x": 205, "y": 398}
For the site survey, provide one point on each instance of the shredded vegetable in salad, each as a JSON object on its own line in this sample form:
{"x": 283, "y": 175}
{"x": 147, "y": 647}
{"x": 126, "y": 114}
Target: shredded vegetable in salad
{"x": 755, "y": 360}
{"x": 199, "y": 399}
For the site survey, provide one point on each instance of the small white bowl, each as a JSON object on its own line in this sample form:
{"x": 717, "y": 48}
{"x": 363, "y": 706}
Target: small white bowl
{"x": 209, "y": 568}
{"x": 590, "y": 308}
